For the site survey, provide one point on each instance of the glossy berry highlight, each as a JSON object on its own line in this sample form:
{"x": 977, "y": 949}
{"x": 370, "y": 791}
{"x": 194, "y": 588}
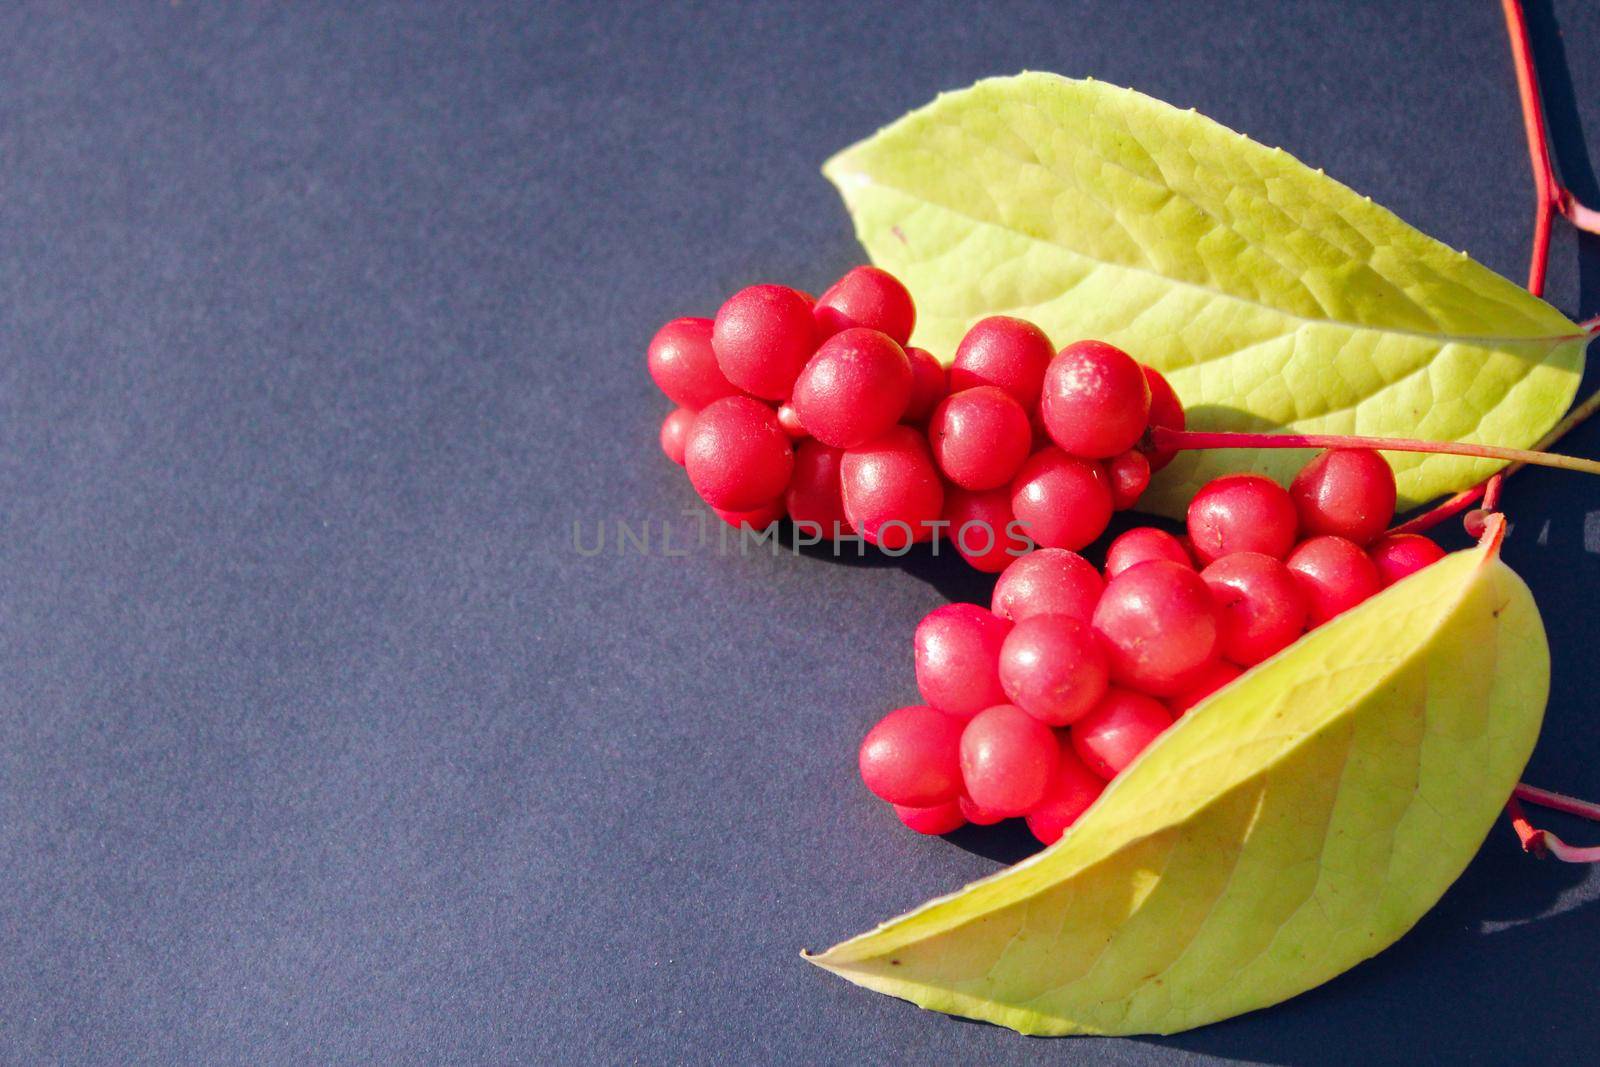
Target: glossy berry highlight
{"x": 1158, "y": 625}
{"x": 762, "y": 337}
{"x": 853, "y": 389}
{"x": 867, "y": 297}
{"x": 1347, "y": 492}
{"x": 683, "y": 365}
{"x": 1063, "y": 501}
{"x": 1007, "y": 760}
{"x": 1095, "y": 400}
{"x": 1049, "y": 581}
{"x": 957, "y": 654}
{"x": 1242, "y": 513}
{"x": 1334, "y": 574}
{"x": 912, "y": 757}
{"x": 737, "y": 456}
{"x": 980, "y": 437}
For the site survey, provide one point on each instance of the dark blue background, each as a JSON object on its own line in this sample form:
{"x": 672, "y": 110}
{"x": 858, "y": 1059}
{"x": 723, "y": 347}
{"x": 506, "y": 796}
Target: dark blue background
{"x": 321, "y": 325}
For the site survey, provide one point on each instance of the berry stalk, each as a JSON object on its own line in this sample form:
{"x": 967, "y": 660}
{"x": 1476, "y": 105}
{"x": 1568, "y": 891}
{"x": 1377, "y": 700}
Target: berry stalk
{"x": 1162, "y": 437}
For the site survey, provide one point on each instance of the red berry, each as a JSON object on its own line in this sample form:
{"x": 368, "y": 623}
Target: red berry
{"x": 981, "y": 528}
{"x": 1072, "y": 789}
{"x": 1064, "y": 501}
{"x": 1096, "y": 400}
{"x": 1334, "y": 574}
{"x": 1165, "y": 410}
{"x": 1005, "y": 352}
{"x": 1051, "y": 581}
{"x": 912, "y": 756}
{"x": 763, "y": 336}
{"x": 1241, "y": 513}
{"x": 957, "y": 652}
{"x": 980, "y": 437}
{"x": 867, "y": 296}
{"x": 813, "y": 500}
{"x": 1120, "y": 727}
{"x": 1158, "y": 625}
{"x": 1052, "y": 667}
{"x": 1007, "y": 760}
{"x": 976, "y": 815}
{"x": 683, "y": 365}
{"x": 1129, "y": 475}
{"x": 675, "y": 433}
{"x": 854, "y": 389}
{"x": 755, "y": 518}
{"x": 1141, "y": 544}
{"x": 789, "y": 419}
{"x": 1260, "y": 607}
{"x": 737, "y": 455}
{"x": 928, "y": 384}
{"x": 1214, "y": 677}
{"x": 1345, "y": 491}
{"x": 1400, "y": 555}
{"x": 939, "y": 819}
{"x": 891, "y": 490}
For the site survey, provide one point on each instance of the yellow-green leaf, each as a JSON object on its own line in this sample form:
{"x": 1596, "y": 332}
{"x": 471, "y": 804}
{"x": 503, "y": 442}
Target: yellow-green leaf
{"x": 1294, "y": 824}
{"x": 1269, "y": 294}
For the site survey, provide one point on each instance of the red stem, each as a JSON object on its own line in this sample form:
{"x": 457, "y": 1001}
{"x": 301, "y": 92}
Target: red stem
{"x": 1163, "y": 438}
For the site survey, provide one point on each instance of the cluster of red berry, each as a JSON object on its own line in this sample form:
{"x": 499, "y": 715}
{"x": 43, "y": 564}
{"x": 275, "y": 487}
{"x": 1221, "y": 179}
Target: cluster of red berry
{"x": 1034, "y": 704}
{"x": 815, "y": 409}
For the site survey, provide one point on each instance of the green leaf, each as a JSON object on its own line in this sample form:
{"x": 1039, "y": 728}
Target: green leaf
{"x": 1268, "y": 293}
{"x": 1294, "y": 824}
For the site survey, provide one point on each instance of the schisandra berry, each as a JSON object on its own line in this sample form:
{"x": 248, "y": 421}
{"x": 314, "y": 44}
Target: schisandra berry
{"x": 675, "y": 433}
{"x": 813, "y": 499}
{"x": 1165, "y": 410}
{"x": 1007, "y": 760}
{"x": 755, "y": 518}
{"x": 1214, "y": 677}
{"x": 1072, "y": 789}
{"x": 957, "y": 652}
{"x": 1129, "y": 475}
{"x": 1260, "y": 606}
{"x": 737, "y": 455}
{"x": 980, "y": 437}
{"x": 1141, "y": 544}
{"x": 1348, "y": 492}
{"x": 1050, "y": 581}
{"x": 913, "y": 757}
{"x": 1241, "y": 513}
{"x": 891, "y": 490}
{"x": 1334, "y": 574}
{"x": 1052, "y": 667}
{"x": 928, "y": 384}
{"x": 684, "y": 366}
{"x": 867, "y": 296}
{"x": 1400, "y": 555}
{"x": 1005, "y": 352}
{"x": 980, "y": 526}
{"x": 1475, "y": 522}
{"x": 1064, "y": 501}
{"x": 789, "y": 419}
{"x": 1117, "y": 729}
{"x": 1096, "y": 401}
{"x": 763, "y": 336}
{"x": 978, "y": 816}
{"x": 938, "y": 819}
{"x": 1158, "y": 625}
{"x": 854, "y": 389}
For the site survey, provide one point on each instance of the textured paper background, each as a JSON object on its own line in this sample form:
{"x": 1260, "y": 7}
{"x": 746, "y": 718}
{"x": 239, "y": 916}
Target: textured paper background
{"x": 322, "y": 324}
